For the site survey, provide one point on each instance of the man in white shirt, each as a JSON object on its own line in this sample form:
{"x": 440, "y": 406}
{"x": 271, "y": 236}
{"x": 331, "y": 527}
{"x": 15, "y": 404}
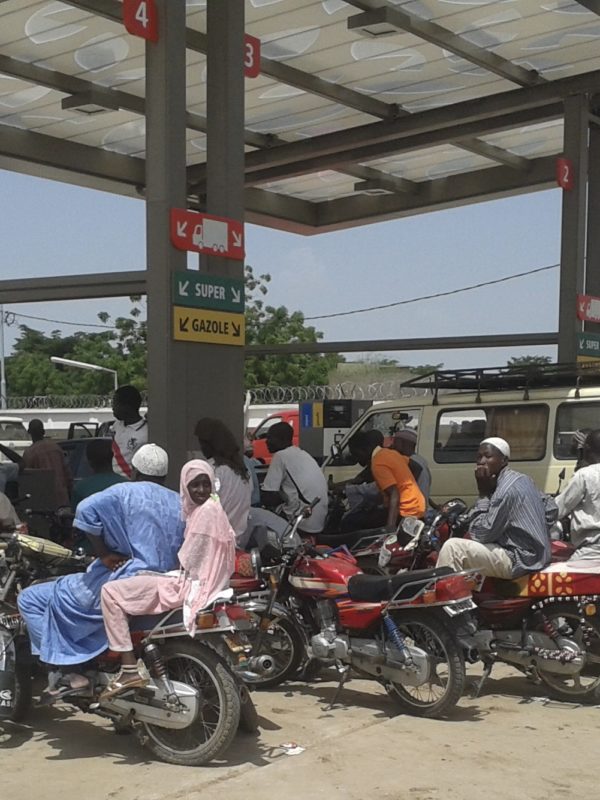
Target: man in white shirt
{"x": 130, "y": 429}
{"x": 581, "y": 499}
{"x": 294, "y": 480}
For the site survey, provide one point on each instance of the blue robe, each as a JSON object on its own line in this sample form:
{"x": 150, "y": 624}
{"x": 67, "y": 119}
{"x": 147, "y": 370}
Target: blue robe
{"x": 142, "y": 520}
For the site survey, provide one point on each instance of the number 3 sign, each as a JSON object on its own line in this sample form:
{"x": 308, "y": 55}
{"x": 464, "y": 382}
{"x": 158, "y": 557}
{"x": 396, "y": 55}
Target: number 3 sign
{"x": 141, "y": 19}
{"x": 564, "y": 173}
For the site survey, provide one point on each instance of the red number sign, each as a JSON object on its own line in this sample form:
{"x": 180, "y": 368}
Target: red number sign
{"x": 141, "y": 18}
{"x": 203, "y": 233}
{"x": 251, "y": 56}
{"x": 564, "y": 173}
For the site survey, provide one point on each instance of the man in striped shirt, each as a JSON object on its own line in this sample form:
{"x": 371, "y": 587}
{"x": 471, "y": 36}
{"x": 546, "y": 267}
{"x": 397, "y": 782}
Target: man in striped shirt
{"x": 508, "y": 526}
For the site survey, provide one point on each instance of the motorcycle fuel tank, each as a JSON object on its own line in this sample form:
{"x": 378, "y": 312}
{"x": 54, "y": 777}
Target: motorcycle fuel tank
{"x": 325, "y": 576}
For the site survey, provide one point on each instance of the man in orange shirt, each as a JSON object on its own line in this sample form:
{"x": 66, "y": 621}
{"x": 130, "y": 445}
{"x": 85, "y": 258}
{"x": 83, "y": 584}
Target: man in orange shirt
{"x": 392, "y": 475}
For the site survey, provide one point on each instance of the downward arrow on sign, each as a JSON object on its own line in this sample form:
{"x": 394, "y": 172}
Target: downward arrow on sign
{"x": 181, "y": 228}
{"x": 236, "y": 295}
{"x": 183, "y": 288}
{"x": 183, "y": 325}
{"x": 237, "y": 239}
{"x": 237, "y": 329}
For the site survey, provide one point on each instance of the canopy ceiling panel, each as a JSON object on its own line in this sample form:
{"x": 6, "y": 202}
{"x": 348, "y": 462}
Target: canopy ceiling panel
{"x": 326, "y": 71}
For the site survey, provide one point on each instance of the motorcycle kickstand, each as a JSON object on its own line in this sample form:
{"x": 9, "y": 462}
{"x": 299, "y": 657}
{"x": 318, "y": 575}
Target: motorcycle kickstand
{"x": 486, "y": 674}
{"x": 344, "y": 670}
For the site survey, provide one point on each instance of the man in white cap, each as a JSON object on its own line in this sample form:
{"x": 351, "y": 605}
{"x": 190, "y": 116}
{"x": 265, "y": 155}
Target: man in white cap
{"x": 132, "y": 527}
{"x": 508, "y": 526}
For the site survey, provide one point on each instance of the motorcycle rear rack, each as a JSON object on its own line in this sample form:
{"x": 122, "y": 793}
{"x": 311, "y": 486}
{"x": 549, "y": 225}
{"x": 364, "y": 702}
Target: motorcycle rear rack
{"x": 425, "y": 585}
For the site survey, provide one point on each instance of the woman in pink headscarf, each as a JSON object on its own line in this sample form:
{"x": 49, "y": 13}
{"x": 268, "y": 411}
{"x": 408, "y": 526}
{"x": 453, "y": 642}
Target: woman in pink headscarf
{"x": 207, "y": 559}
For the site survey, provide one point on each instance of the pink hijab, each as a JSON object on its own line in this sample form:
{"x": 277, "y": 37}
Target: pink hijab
{"x": 208, "y": 551}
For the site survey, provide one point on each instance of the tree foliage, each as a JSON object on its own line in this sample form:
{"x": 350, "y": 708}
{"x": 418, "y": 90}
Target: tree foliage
{"x": 528, "y": 361}
{"x": 29, "y": 370}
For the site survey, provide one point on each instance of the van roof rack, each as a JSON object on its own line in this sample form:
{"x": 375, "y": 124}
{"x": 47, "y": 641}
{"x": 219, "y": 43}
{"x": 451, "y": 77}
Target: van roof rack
{"x": 494, "y": 379}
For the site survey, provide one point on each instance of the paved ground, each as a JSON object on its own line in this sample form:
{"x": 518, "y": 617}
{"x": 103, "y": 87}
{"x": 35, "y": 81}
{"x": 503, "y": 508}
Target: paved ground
{"x": 506, "y": 744}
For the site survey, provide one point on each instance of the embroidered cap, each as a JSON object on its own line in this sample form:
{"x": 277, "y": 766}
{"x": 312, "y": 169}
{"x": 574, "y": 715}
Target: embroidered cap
{"x": 152, "y": 460}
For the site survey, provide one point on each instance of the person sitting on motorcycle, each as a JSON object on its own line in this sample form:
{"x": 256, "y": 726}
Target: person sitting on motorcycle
{"x": 509, "y": 524}
{"x": 132, "y": 526}
{"x": 405, "y": 442}
{"x": 293, "y": 480}
{"x": 581, "y": 500}
{"x": 402, "y": 497}
{"x": 206, "y": 562}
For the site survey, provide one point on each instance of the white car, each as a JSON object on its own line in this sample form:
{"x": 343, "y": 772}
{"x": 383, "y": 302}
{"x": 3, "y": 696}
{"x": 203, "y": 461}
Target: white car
{"x": 13, "y": 434}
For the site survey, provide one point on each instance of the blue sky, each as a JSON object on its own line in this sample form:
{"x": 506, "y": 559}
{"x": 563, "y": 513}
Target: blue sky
{"x": 48, "y": 228}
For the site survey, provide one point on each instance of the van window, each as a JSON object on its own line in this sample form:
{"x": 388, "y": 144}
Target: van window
{"x": 389, "y": 422}
{"x": 459, "y": 432}
{"x": 569, "y": 418}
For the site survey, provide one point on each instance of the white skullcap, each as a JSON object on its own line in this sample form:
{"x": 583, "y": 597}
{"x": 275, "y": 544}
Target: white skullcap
{"x": 152, "y": 460}
{"x": 500, "y": 444}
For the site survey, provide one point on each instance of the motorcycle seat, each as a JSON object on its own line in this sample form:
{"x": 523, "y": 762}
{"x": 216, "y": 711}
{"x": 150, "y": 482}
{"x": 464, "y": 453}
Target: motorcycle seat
{"x": 348, "y": 539}
{"x": 175, "y": 617}
{"x": 375, "y": 588}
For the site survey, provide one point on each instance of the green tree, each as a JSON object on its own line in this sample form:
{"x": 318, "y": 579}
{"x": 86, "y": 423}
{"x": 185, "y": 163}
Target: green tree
{"x": 29, "y": 370}
{"x": 425, "y": 369}
{"x": 528, "y": 361}
{"x": 276, "y": 325}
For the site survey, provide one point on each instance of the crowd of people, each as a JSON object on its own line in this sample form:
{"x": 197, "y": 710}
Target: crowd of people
{"x": 157, "y": 549}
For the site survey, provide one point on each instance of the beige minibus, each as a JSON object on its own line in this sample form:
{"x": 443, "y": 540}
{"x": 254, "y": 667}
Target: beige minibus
{"x": 537, "y": 413}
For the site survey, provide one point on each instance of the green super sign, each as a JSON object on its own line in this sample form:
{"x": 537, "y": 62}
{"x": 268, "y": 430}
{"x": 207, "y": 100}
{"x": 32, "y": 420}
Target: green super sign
{"x": 588, "y": 344}
{"x": 195, "y": 290}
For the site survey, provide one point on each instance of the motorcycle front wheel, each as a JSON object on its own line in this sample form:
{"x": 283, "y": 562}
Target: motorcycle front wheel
{"x": 212, "y": 731}
{"x": 446, "y": 680}
{"x": 584, "y": 687}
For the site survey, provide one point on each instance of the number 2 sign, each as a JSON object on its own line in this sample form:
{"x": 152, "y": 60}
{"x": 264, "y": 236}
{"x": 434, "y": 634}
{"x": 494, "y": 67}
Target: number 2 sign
{"x": 564, "y": 173}
{"x": 141, "y": 18}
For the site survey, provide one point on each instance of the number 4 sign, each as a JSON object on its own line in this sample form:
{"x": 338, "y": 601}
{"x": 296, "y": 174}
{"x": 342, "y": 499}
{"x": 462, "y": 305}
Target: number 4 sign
{"x": 141, "y": 18}
{"x": 564, "y": 173}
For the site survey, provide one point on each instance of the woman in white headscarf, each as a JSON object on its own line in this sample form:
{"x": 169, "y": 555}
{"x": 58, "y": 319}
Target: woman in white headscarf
{"x": 207, "y": 559}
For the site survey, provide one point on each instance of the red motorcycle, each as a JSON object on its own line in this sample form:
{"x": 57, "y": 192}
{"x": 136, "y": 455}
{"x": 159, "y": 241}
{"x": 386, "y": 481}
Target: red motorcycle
{"x": 545, "y": 624}
{"x": 403, "y": 632}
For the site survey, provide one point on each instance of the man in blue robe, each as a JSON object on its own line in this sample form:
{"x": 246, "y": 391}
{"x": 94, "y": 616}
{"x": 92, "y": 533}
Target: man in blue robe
{"x": 132, "y": 526}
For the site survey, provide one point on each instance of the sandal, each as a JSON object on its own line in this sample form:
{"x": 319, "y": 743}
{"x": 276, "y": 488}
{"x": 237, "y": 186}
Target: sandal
{"x": 139, "y": 679}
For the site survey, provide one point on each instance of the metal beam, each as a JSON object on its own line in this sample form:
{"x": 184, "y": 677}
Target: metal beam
{"x": 485, "y": 184}
{"x": 390, "y": 183}
{"x": 73, "y": 287}
{"x": 338, "y": 161}
{"x": 497, "y": 154}
{"x": 112, "y": 98}
{"x": 379, "y": 345}
{"x": 436, "y": 34}
{"x": 283, "y": 73}
{"x": 46, "y": 156}
{"x": 472, "y": 114}
{"x": 591, "y": 5}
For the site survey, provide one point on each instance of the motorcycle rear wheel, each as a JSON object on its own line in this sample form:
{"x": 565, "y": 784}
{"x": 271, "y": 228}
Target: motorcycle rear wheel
{"x": 446, "y": 663}
{"x": 284, "y": 643}
{"x": 585, "y": 686}
{"x": 212, "y": 731}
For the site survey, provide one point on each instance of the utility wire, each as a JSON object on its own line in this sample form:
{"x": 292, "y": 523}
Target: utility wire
{"x": 438, "y": 294}
{"x": 338, "y": 313}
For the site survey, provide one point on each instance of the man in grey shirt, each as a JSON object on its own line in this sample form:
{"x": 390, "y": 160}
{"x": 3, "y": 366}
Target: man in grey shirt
{"x": 581, "y": 499}
{"x": 509, "y": 524}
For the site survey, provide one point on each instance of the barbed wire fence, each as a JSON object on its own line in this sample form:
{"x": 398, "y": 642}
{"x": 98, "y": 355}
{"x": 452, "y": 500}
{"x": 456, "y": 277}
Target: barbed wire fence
{"x": 267, "y": 395}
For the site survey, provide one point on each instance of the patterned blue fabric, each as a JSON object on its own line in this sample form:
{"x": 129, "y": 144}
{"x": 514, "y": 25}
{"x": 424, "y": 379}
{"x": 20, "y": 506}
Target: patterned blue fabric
{"x": 141, "y": 520}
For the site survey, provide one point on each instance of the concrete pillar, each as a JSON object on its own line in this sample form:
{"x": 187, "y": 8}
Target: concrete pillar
{"x": 174, "y": 377}
{"x": 223, "y": 393}
{"x": 592, "y": 261}
{"x": 574, "y": 217}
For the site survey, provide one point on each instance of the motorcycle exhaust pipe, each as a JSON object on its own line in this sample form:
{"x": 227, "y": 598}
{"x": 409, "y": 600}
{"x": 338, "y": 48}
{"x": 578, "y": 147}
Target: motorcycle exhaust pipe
{"x": 260, "y": 665}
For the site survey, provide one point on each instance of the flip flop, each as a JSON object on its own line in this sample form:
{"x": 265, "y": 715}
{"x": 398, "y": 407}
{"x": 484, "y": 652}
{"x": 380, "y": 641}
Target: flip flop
{"x": 48, "y": 698}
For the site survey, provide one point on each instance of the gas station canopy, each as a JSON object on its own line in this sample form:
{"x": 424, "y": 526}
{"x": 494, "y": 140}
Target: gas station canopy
{"x": 362, "y": 110}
